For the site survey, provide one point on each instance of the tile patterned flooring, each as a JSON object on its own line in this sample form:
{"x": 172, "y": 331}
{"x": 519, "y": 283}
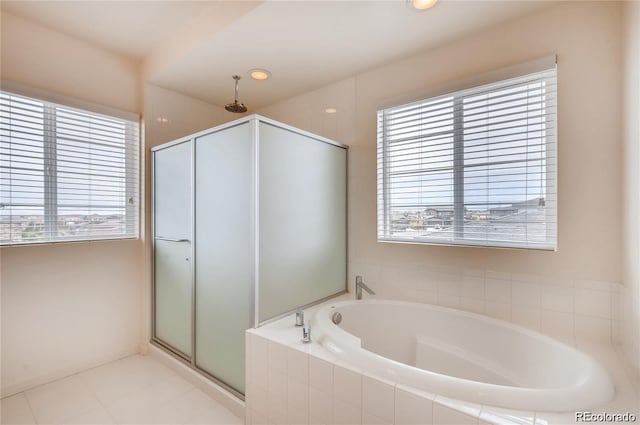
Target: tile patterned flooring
{"x": 133, "y": 390}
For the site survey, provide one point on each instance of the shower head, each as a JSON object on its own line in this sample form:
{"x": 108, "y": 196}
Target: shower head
{"x": 236, "y": 106}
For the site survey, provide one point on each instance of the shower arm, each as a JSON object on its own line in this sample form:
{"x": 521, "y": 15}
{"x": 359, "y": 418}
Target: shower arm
{"x": 236, "y": 90}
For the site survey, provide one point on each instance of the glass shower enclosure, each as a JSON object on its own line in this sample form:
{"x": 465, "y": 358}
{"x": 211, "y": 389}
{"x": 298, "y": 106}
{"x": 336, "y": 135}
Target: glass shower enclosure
{"x": 249, "y": 223}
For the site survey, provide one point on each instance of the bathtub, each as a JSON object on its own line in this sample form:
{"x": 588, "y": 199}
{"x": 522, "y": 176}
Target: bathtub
{"x": 462, "y": 355}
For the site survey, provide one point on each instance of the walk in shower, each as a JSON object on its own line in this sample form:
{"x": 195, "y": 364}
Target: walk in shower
{"x": 249, "y": 223}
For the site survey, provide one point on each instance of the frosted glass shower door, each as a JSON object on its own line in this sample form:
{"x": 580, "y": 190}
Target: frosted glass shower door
{"x": 173, "y": 282}
{"x": 173, "y": 294}
{"x": 224, "y": 253}
{"x": 302, "y": 224}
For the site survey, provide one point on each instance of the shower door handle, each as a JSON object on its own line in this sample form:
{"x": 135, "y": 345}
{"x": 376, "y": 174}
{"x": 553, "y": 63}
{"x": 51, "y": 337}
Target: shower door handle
{"x": 160, "y": 238}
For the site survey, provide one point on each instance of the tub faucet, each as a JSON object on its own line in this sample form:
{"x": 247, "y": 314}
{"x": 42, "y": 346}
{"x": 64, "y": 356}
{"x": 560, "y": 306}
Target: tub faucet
{"x": 360, "y": 285}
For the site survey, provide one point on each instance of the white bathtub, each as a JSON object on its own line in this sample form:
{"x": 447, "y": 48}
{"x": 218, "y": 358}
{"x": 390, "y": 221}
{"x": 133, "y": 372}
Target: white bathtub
{"x": 462, "y": 355}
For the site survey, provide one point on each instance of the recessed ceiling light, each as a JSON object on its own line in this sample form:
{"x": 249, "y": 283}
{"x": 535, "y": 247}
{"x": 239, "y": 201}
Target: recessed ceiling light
{"x": 331, "y": 110}
{"x": 259, "y": 74}
{"x": 423, "y": 4}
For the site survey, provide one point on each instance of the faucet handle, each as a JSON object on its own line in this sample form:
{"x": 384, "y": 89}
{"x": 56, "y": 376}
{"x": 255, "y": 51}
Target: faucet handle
{"x": 306, "y": 334}
{"x": 299, "y": 317}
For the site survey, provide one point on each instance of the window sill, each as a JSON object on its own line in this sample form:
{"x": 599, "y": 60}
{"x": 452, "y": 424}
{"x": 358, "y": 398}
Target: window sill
{"x": 81, "y": 241}
{"x": 467, "y": 244}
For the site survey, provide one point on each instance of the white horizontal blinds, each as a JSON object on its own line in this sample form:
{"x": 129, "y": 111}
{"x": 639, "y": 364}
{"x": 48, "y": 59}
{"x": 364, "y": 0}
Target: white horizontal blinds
{"x": 22, "y": 168}
{"x": 509, "y": 162}
{"x": 66, "y": 174}
{"x": 97, "y": 174}
{"x": 474, "y": 167}
{"x": 415, "y": 160}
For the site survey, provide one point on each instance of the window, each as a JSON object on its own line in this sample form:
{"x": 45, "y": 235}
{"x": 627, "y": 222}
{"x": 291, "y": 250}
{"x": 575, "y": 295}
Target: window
{"x": 473, "y": 167}
{"x": 65, "y": 174}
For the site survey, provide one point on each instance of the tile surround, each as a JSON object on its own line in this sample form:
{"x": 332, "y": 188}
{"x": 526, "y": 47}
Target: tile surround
{"x": 579, "y": 312}
{"x": 626, "y": 332}
{"x": 320, "y": 407}
{"x": 378, "y": 398}
{"x": 347, "y": 386}
{"x": 412, "y": 407}
{"x": 321, "y": 375}
{"x": 445, "y": 415}
{"x": 570, "y": 310}
{"x": 345, "y": 413}
{"x": 340, "y": 394}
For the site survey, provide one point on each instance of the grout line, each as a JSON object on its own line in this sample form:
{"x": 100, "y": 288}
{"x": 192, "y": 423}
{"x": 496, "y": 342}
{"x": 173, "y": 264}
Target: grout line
{"x": 84, "y": 385}
{"x": 95, "y": 395}
{"x": 128, "y": 392}
{"x": 29, "y": 406}
{"x": 73, "y": 374}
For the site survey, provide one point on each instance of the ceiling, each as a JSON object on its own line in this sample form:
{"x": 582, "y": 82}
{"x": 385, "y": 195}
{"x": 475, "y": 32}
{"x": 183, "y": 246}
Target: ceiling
{"x": 130, "y": 28}
{"x": 195, "y": 47}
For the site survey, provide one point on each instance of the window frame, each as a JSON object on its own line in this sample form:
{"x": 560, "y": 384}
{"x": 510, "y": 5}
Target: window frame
{"x": 458, "y": 92}
{"x": 132, "y": 162}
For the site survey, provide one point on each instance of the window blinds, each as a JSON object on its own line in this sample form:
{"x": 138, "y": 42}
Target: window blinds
{"x": 65, "y": 174}
{"x": 473, "y": 167}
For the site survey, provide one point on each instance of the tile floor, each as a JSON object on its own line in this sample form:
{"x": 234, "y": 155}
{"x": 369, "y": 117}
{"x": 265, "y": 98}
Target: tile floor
{"x": 134, "y": 390}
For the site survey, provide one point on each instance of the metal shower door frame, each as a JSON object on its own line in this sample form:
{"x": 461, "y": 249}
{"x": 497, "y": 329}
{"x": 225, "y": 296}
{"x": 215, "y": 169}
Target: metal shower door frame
{"x": 254, "y": 122}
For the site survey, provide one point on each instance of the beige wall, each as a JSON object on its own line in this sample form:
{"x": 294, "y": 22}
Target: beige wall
{"x": 67, "y": 307}
{"x": 48, "y": 60}
{"x": 630, "y": 296}
{"x": 586, "y": 38}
